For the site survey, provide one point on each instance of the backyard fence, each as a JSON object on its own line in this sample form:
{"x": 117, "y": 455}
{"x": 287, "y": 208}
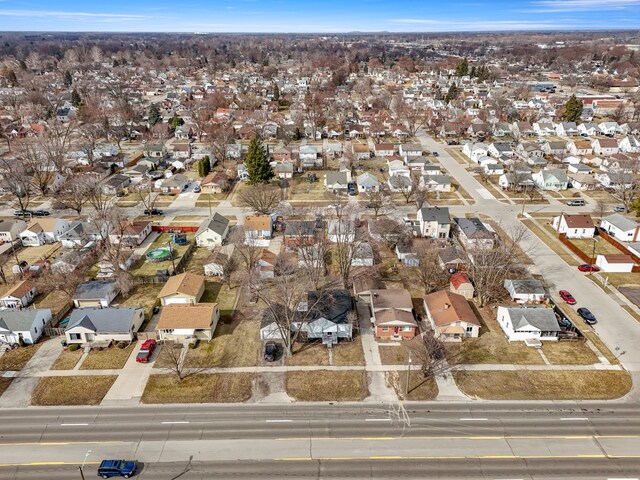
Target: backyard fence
{"x": 174, "y": 228}
{"x": 570, "y": 245}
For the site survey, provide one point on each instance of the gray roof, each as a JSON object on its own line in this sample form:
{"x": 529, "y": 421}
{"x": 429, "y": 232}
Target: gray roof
{"x": 439, "y": 179}
{"x": 473, "y": 228}
{"x": 103, "y": 320}
{"x": 527, "y": 286}
{"x": 337, "y": 177}
{"x": 542, "y": 318}
{"x": 302, "y": 228}
{"x": 94, "y": 290}
{"x": 78, "y": 229}
{"x": 438, "y": 214}
{"x": 217, "y": 224}
{"x": 7, "y": 225}
{"x": 19, "y": 320}
{"x": 623, "y": 223}
{"x": 367, "y": 180}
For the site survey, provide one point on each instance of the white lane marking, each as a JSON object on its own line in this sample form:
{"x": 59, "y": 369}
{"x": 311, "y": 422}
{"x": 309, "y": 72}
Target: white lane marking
{"x": 279, "y": 421}
{"x": 567, "y": 419}
{"x": 474, "y": 419}
{"x": 74, "y": 424}
{"x": 377, "y": 419}
{"x": 174, "y": 423}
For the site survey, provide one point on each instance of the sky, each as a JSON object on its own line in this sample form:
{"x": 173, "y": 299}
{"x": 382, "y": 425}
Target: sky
{"x": 274, "y": 16}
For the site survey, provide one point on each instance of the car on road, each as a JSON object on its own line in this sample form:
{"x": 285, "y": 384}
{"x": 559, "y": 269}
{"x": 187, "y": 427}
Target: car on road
{"x": 117, "y": 468}
{"x": 435, "y": 154}
{"x": 146, "y": 350}
{"x": 41, "y": 213}
{"x": 567, "y": 297}
{"x": 153, "y": 211}
{"x": 270, "y": 351}
{"x": 23, "y": 213}
{"x": 576, "y": 203}
{"x": 620, "y": 209}
{"x": 452, "y": 142}
{"x": 585, "y": 267}
{"x": 588, "y": 317}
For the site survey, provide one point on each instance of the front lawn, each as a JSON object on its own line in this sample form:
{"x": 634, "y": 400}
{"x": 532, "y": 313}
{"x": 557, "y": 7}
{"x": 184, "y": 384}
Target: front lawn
{"x": 420, "y": 388}
{"x": 393, "y": 355}
{"x": 315, "y": 353}
{"x": 108, "y": 358}
{"x": 201, "y": 388}
{"x": 78, "y": 390}
{"x": 4, "y": 384}
{"x": 327, "y": 386}
{"x": 67, "y": 360}
{"x": 16, "y": 359}
{"x": 544, "y": 385}
{"x": 569, "y": 353}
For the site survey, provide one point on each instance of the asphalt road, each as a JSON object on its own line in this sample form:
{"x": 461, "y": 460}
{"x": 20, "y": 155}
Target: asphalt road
{"x": 485, "y": 440}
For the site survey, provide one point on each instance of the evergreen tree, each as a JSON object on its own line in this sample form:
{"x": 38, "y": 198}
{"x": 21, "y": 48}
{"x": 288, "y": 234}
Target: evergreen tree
{"x": 276, "y": 92}
{"x": 573, "y": 109}
{"x": 206, "y": 165}
{"x": 473, "y": 72}
{"x": 452, "y": 93}
{"x": 154, "y": 114}
{"x": 463, "y": 68}
{"x": 76, "y": 99}
{"x": 68, "y": 79}
{"x": 176, "y": 121}
{"x": 257, "y": 163}
{"x": 201, "y": 169}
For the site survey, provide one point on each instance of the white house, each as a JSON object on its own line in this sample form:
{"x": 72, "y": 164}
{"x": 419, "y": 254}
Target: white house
{"x": 551, "y": 179}
{"x": 621, "y": 227}
{"x": 43, "y": 230}
{"x": 615, "y": 263}
{"x": 367, "y": 183}
{"x": 525, "y": 290}
{"x": 341, "y": 230}
{"x": 213, "y": 231}
{"x": 528, "y": 323}
{"x": 95, "y": 294}
{"x": 113, "y": 324}
{"x": 630, "y": 144}
{"x": 188, "y": 322}
{"x": 10, "y": 229}
{"x": 26, "y": 325}
{"x": 590, "y": 129}
{"x": 574, "y": 226}
{"x": 433, "y": 222}
{"x": 605, "y": 146}
{"x": 436, "y": 183}
{"x": 20, "y": 296}
{"x": 410, "y": 149}
{"x": 580, "y": 147}
{"x": 475, "y": 150}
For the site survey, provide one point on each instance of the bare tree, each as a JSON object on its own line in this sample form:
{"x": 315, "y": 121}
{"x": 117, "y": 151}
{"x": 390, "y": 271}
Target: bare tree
{"x": 312, "y": 260}
{"x": 17, "y": 182}
{"x": 379, "y": 202}
{"x": 429, "y": 353}
{"x": 146, "y": 195}
{"x": 263, "y": 199}
{"x": 247, "y": 247}
{"x": 172, "y": 357}
{"x": 348, "y": 239}
{"x": 73, "y": 195}
{"x": 54, "y": 143}
{"x": 41, "y": 170}
{"x": 229, "y": 268}
{"x": 428, "y": 273}
{"x": 220, "y": 137}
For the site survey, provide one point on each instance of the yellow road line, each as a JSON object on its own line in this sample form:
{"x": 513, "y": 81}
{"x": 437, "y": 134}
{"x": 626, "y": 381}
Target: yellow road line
{"x": 455, "y": 457}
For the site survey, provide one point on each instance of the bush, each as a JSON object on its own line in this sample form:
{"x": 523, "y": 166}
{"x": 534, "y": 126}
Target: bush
{"x": 194, "y": 344}
{"x": 73, "y": 347}
{"x": 21, "y": 342}
{"x": 122, "y": 345}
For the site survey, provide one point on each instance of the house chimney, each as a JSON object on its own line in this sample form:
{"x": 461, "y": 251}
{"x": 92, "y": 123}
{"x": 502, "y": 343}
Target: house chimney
{"x": 446, "y": 306}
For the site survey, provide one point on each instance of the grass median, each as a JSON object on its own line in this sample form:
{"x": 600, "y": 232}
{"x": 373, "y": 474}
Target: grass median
{"x": 76, "y": 390}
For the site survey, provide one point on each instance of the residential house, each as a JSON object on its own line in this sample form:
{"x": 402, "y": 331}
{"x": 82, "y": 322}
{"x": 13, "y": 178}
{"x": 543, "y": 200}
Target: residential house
{"x": 213, "y": 231}
{"x": 20, "y": 296}
{"x": 528, "y": 323}
{"x": 580, "y": 147}
{"x": 579, "y": 168}
{"x": 621, "y": 227}
{"x": 400, "y": 183}
{"x": 384, "y": 149}
{"x": 605, "y": 146}
{"x": 23, "y": 325}
{"x": 398, "y": 168}
{"x": 608, "y": 128}
{"x": 309, "y": 157}
{"x": 531, "y": 153}
{"x": 131, "y": 233}
{"x": 450, "y": 316}
{"x": 43, "y": 230}
{"x": 567, "y": 129}
{"x": 175, "y": 184}
{"x": 615, "y": 262}
{"x": 367, "y": 183}
{"x": 188, "y": 322}
{"x": 95, "y": 293}
{"x": 80, "y": 234}
{"x": 574, "y": 226}
{"x": 266, "y": 263}
{"x": 460, "y": 284}
{"x": 361, "y": 151}
{"x": 392, "y": 314}
{"x": 341, "y": 231}
{"x": 474, "y": 234}
{"x": 302, "y": 232}
{"x": 516, "y": 181}
{"x": 258, "y": 229}
{"x": 182, "y": 150}
{"x": 522, "y": 129}
{"x": 363, "y": 255}
{"x": 433, "y": 222}
{"x": 475, "y": 151}
{"x": 215, "y": 182}
{"x": 337, "y": 181}
{"x": 582, "y": 181}
{"x": 115, "y": 183}
{"x": 404, "y": 252}
{"x": 10, "y": 229}
{"x": 282, "y": 154}
{"x": 410, "y": 150}
{"x": 452, "y": 259}
{"x": 525, "y": 290}
{"x": 283, "y": 170}
{"x": 501, "y": 130}
{"x": 436, "y": 183}
{"x": 113, "y": 324}
{"x": 542, "y": 129}
{"x": 551, "y": 179}
{"x": 214, "y": 265}
{"x": 185, "y": 288}
{"x": 554, "y": 147}
{"x": 327, "y": 316}
{"x": 630, "y": 144}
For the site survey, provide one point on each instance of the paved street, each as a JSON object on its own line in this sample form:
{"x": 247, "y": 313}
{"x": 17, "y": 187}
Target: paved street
{"x": 537, "y": 440}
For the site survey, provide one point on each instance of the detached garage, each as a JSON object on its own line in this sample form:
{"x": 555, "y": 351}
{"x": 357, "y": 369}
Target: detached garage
{"x": 615, "y": 263}
{"x": 97, "y": 294}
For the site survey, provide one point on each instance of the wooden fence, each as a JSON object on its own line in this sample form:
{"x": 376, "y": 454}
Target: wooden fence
{"x": 569, "y": 244}
{"x": 174, "y": 228}
{"x": 623, "y": 249}
{"x": 180, "y": 267}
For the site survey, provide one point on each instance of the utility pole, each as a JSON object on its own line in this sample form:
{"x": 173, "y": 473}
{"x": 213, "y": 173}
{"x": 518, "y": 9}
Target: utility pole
{"x": 83, "y": 462}
{"x": 173, "y": 261}
{"x": 406, "y": 390}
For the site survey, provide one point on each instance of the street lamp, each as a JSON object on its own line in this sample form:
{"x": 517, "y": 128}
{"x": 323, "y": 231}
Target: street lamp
{"x": 86, "y": 455}
{"x": 406, "y": 390}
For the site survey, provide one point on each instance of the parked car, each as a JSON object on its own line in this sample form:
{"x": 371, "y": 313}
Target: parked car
{"x": 585, "y": 267}
{"x": 587, "y": 316}
{"x": 23, "y": 213}
{"x": 452, "y": 142}
{"x": 351, "y": 188}
{"x": 196, "y": 189}
{"x": 153, "y": 211}
{"x": 117, "y": 468}
{"x": 565, "y": 322}
{"x": 620, "y": 209}
{"x": 270, "y": 351}
{"x": 41, "y": 213}
{"x": 576, "y": 203}
{"x": 121, "y": 193}
{"x": 146, "y": 350}
{"x": 435, "y": 154}
{"x": 567, "y": 297}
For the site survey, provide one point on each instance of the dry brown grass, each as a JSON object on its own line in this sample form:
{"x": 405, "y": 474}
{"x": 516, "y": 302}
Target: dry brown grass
{"x": 569, "y": 353}
{"x": 4, "y": 384}
{"x": 327, "y": 386}
{"x": 77, "y": 390}
{"x": 590, "y": 334}
{"x": 200, "y": 388}
{"x": 544, "y": 385}
{"x": 67, "y": 360}
{"x": 16, "y": 359}
{"x": 107, "y": 359}
{"x": 235, "y": 344}
{"x": 602, "y": 246}
{"x": 344, "y": 354}
{"x": 552, "y": 243}
{"x": 145, "y": 296}
{"x": 393, "y": 355}
{"x": 419, "y": 387}
{"x": 491, "y": 346}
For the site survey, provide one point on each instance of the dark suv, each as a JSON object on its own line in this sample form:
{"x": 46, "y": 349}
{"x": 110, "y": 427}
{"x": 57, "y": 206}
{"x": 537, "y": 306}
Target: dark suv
{"x": 117, "y": 468}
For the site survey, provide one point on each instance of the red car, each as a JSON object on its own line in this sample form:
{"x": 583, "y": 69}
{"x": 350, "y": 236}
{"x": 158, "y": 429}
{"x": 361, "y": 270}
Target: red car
{"x": 585, "y": 267}
{"x": 146, "y": 350}
{"x": 567, "y": 297}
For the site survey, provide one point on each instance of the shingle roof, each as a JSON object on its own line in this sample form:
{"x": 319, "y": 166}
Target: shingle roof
{"x": 447, "y": 307}
{"x": 94, "y": 290}
{"x": 18, "y": 320}
{"x": 186, "y": 284}
{"x": 177, "y": 316}
{"x": 103, "y": 320}
{"x": 217, "y": 224}
{"x": 542, "y": 318}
